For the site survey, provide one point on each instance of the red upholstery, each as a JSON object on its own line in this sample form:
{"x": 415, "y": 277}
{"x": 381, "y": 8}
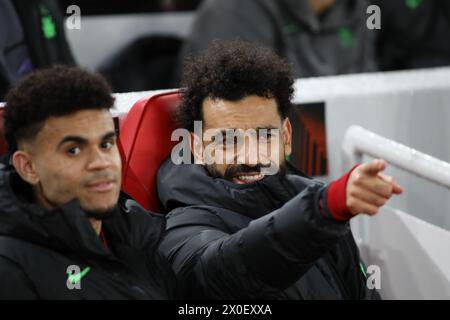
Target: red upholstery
{"x": 144, "y": 139}
{"x": 3, "y": 145}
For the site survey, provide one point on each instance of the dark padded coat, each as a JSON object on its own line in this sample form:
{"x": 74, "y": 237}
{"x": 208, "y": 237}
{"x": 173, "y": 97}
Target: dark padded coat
{"x": 264, "y": 240}
{"x": 38, "y": 245}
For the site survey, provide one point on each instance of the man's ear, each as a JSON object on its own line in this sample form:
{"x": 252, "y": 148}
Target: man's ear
{"x": 196, "y": 144}
{"x": 287, "y": 136}
{"x": 25, "y": 167}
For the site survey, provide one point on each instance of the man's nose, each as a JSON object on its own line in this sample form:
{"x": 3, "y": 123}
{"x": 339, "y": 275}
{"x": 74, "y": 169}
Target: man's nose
{"x": 250, "y": 151}
{"x": 99, "y": 159}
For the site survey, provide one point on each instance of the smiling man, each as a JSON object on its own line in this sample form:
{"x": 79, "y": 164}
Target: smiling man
{"x": 64, "y": 233}
{"x": 237, "y": 232}
{"x": 250, "y": 130}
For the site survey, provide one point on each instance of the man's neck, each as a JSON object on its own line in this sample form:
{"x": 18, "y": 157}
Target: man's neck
{"x": 41, "y": 200}
{"x": 96, "y": 225}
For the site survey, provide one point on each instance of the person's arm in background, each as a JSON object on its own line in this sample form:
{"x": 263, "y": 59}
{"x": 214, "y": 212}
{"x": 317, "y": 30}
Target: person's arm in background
{"x": 49, "y": 49}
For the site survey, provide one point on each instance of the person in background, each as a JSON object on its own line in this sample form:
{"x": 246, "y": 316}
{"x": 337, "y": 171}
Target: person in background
{"x": 318, "y": 37}
{"x": 414, "y": 34}
{"x": 32, "y": 36}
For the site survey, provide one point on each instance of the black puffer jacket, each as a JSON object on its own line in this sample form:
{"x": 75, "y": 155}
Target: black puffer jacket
{"x": 38, "y": 245}
{"x": 266, "y": 240}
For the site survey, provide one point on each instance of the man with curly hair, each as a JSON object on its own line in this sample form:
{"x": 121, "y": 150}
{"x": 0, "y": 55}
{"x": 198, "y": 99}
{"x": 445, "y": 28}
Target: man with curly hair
{"x": 64, "y": 233}
{"x": 237, "y": 232}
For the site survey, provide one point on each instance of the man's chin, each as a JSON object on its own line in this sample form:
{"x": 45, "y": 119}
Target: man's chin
{"x": 101, "y": 213}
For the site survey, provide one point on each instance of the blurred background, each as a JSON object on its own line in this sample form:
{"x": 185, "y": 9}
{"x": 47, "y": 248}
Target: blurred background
{"x": 140, "y": 44}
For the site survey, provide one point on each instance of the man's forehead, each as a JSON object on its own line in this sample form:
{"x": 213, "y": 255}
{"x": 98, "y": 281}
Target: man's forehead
{"x": 88, "y": 123}
{"x": 249, "y": 112}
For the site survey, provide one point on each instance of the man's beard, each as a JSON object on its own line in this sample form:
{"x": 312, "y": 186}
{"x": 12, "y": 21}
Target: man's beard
{"x": 232, "y": 170}
{"x": 102, "y": 214}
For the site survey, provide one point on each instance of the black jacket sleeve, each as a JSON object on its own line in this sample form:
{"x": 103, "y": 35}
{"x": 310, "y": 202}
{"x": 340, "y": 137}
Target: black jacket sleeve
{"x": 352, "y": 270}
{"x": 15, "y": 284}
{"x": 267, "y": 256}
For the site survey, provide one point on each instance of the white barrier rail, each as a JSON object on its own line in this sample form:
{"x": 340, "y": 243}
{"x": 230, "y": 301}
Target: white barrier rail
{"x": 411, "y": 253}
{"x": 359, "y": 141}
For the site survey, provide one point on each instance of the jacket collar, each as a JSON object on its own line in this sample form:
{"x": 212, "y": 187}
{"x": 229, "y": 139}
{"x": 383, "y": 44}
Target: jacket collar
{"x": 190, "y": 184}
{"x": 67, "y": 229}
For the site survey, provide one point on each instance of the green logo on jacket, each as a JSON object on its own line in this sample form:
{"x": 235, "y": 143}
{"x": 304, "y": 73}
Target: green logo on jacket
{"x": 413, "y": 4}
{"x": 346, "y": 37}
{"x": 47, "y": 24}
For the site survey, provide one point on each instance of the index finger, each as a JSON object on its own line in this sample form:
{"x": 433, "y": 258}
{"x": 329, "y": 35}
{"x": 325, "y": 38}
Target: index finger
{"x": 373, "y": 167}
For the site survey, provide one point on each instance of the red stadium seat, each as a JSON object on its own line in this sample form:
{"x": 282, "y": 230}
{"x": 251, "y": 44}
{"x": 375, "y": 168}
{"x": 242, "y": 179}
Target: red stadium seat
{"x": 144, "y": 140}
{"x": 3, "y": 145}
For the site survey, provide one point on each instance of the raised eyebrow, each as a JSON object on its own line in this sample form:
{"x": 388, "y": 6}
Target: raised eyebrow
{"x": 81, "y": 140}
{"x": 109, "y": 135}
{"x": 267, "y": 128}
{"x": 76, "y": 139}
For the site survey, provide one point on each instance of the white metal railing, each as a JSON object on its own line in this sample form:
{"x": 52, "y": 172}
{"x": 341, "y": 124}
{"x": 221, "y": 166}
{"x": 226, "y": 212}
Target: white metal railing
{"x": 409, "y": 250}
{"x": 359, "y": 141}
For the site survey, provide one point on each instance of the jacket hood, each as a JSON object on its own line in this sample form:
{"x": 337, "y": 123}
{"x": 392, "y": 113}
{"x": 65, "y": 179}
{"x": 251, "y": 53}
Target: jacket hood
{"x": 66, "y": 228}
{"x": 190, "y": 184}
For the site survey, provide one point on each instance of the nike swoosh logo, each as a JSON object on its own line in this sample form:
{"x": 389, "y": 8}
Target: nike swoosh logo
{"x": 74, "y": 278}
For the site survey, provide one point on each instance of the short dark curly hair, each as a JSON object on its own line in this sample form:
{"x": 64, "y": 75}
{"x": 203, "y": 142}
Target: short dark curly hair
{"x": 233, "y": 70}
{"x": 51, "y": 92}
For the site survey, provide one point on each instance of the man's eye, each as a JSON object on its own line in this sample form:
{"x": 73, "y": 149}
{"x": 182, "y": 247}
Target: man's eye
{"x": 107, "y": 145}
{"x": 74, "y": 151}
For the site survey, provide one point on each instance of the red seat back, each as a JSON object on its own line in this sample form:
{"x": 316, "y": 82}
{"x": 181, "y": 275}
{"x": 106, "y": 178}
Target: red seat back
{"x": 144, "y": 139}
